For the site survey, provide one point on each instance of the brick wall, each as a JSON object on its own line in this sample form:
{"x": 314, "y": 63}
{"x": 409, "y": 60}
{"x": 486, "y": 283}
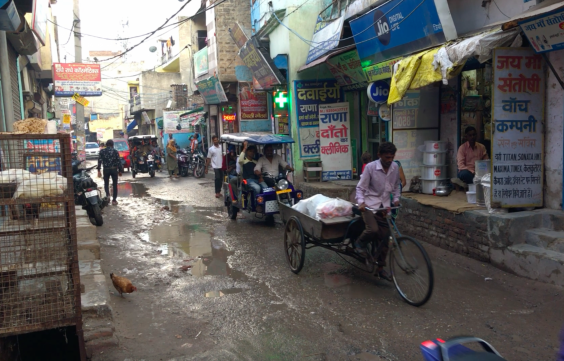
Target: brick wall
{"x": 476, "y": 234}
{"x": 465, "y": 233}
{"x": 225, "y": 17}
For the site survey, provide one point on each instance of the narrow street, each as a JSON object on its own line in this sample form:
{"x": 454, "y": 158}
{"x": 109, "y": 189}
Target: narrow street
{"x": 239, "y": 300}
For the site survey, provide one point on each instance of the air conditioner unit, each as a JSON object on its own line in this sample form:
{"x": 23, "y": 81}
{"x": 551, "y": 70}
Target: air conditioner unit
{"x": 26, "y": 84}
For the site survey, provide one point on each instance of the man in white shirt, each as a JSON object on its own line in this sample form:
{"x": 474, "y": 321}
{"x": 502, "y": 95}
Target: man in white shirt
{"x": 215, "y": 157}
{"x": 269, "y": 164}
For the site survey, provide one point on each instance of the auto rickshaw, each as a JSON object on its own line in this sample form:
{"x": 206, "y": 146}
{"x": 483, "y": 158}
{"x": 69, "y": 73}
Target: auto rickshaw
{"x": 142, "y": 156}
{"x": 264, "y": 204}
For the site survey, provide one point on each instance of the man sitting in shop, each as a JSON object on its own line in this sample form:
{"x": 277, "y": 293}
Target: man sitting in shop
{"x": 468, "y": 154}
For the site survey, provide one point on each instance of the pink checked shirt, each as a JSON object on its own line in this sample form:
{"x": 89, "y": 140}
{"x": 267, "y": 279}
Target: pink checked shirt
{"x": 467, "y": 156}
{"x": 375, "y": 186}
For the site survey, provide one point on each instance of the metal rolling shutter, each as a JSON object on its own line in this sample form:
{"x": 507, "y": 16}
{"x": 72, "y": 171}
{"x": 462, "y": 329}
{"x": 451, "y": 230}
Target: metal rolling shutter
{"x": 12, "y": 57}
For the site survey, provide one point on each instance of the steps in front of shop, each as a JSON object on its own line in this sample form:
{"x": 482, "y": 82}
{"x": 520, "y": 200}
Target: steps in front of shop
{"x": 541, "y": 256}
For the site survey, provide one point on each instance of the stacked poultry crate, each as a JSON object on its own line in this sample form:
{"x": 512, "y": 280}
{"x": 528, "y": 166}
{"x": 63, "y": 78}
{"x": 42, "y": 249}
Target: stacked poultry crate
{"x": 39, "y": 276}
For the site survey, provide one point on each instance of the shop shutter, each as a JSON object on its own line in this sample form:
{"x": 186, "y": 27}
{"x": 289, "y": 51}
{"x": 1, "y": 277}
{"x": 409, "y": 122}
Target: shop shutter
{"x": 12, "y": 58}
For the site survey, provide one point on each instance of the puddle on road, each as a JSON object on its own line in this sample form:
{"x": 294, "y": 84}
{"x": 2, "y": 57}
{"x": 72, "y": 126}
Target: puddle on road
{"x": 222, "y": 293}
{"x": 190, "y": 238}
{"x": 126, "y": 189}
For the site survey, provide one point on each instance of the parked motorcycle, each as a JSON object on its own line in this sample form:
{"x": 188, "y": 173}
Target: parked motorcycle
{"x": 453, "y": 350}
{"x": 184, "y": 162}
{"x": 87, "y": 194}
{"x": 198, "y": 164}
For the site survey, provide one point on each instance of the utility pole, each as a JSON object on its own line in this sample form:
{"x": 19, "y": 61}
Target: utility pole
{"x": 79, "y": 129}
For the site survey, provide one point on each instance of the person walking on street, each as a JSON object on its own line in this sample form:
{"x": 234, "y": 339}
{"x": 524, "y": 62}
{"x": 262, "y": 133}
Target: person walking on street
{"x": 216, "y": 159}
{"x": 109, "y": 157}
{"x": 171, "y": 161}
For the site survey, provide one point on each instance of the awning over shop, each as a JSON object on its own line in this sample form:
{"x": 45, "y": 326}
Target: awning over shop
{"x": 324, "y": 58}
{"x": 446, "y": 62}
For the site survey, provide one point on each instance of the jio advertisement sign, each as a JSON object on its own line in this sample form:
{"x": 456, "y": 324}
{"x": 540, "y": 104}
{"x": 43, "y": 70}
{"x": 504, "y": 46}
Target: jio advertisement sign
{"x": 378, "y": 91}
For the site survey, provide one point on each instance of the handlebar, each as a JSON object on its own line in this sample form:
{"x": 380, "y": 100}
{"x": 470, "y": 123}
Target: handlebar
{"x": 378, "y": 210}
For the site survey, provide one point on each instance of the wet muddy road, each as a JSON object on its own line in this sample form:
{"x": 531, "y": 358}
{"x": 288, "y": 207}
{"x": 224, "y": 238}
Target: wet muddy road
{"x": 214, "y": 289}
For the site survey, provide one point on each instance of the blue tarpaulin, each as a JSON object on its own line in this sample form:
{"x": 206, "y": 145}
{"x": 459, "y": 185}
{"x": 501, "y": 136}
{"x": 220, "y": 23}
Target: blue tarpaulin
{"x": 131, "y": 125}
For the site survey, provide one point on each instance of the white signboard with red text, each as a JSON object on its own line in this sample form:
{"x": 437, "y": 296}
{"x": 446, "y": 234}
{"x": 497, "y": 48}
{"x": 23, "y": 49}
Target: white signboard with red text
{"x": 517, "y": 143}
{"x": 77, "y": 78}
{"x": 335, "y": 142}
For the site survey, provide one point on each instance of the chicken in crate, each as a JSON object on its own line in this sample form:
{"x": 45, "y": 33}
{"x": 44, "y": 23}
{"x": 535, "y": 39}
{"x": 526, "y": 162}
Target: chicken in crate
{"x": 39, "y": 277}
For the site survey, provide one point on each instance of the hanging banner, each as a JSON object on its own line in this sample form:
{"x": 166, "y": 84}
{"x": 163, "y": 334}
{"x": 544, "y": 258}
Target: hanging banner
{"x": 201, "y": 65}
{"x": 517, "y": 143}
{"x": 212, "y": 91}
{"x": 372, "y": 109}
{"x": 401, "y": 27}
{"x": 545, "y": 32}
{"x": 325, "y": 38}
{"x": 76, "y": 78}
{"x": 334, "y": 129}
{"x": 253, "y": 105}
{"x": 81, "y": 100}
{"x": 263, "y": 69}
{"x": 173, "y": 120}
{"x": 347, "y": 70}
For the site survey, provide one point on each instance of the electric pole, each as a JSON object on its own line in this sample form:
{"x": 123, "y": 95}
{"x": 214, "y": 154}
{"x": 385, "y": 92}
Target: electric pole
{"x": 79, "y": 129}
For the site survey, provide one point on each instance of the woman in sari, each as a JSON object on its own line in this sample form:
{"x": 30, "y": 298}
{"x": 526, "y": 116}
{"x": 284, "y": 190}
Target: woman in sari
{"x": 171, "y": 161}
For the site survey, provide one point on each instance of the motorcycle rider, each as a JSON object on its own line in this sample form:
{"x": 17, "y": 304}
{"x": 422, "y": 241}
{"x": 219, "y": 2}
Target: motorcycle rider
{"x": 270, "y": 164}
{"x": 109, "y": 157}
{"x": 379, "y": 180}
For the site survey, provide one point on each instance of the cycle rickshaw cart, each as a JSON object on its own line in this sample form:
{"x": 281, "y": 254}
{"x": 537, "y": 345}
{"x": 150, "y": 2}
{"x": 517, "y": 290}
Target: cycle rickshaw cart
{"x": 410, "y": 266}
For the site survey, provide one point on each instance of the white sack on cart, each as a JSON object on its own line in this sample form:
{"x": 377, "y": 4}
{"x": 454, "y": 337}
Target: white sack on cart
{"x": 308, "y": 206}
{"x": 333, "y": 209}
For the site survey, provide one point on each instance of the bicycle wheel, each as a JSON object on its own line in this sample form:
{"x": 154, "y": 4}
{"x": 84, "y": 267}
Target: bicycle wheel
{"x": 294, "y": 244}
{"x": 412, "y": 271}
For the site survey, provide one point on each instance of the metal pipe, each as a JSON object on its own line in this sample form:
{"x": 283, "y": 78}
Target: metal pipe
{"x": 6, "y": 84}
{"x": 22, "y": 114}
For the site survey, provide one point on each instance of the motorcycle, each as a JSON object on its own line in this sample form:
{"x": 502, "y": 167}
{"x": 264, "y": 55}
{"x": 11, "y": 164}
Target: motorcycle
{"x": 453, "y": 350}
{"x": 144, "y": 163}
{"x": 87, "y": 195}
{"x": 184, "y": 162}
{"x": 198, "y": 162}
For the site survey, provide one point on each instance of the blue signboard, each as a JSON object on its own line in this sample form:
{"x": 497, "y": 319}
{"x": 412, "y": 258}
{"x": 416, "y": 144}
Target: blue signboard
{"x": 311, "y": 93}
{"x": 545, "y": 32}
{"x": 391, "y": 30}
{"x": 378, "y": 91}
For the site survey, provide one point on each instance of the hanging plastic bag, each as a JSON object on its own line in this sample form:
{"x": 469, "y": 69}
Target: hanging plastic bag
{"x": 333, "y": 209}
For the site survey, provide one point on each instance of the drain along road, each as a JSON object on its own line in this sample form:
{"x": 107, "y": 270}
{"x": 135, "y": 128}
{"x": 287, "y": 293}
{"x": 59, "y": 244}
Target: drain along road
{"x": 239, "y": 300}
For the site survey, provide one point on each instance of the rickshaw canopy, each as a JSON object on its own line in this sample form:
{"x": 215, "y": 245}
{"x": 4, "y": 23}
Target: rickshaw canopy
{"x": 140, "y": 138}
{"x": 256, "y": 138}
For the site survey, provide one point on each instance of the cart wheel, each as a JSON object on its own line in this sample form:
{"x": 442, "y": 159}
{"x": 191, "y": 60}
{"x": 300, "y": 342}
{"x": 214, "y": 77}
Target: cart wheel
{"x": 412, "y": 271}
{"x": 294, "y": 244}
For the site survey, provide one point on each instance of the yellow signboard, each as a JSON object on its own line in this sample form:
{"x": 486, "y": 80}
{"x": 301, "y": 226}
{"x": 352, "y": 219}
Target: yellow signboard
{"x": 381, "y": 70}
{"x": 66, "y": 118}
{"x": 80, "y": 99}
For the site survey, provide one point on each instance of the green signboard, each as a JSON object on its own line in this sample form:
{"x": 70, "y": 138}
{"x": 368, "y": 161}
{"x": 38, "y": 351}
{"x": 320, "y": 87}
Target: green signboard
{"x": 201, "y": 66}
